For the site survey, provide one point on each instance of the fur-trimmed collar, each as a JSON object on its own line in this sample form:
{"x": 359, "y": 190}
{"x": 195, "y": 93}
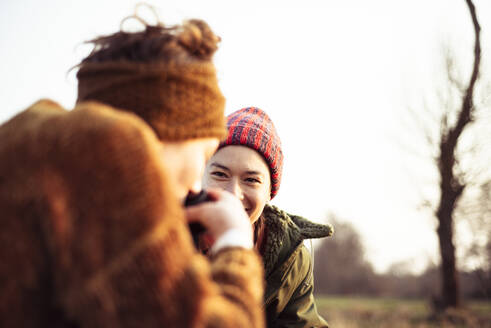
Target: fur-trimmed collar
{"x": 285, "y": 232}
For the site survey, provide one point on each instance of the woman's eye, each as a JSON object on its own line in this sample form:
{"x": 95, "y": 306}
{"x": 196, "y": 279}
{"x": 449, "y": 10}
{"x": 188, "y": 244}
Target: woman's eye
{"x": 218, "y": 174}
{"x": 253, "y": 180}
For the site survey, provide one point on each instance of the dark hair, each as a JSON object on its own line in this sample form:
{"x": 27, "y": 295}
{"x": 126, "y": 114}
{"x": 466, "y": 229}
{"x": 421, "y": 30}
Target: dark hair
{"x": 193, "y": 40}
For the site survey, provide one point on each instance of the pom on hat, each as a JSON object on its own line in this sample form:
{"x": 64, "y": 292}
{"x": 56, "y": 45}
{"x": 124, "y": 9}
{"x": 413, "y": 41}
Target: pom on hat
{"x": 252, "y": 127}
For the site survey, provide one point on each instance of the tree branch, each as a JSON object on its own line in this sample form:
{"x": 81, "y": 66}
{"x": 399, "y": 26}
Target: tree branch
{"x": 465, "y": 115}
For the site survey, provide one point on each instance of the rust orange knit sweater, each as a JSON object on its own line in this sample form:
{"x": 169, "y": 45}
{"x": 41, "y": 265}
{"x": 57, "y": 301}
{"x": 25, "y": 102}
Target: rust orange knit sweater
{"x": 92, "y": 236}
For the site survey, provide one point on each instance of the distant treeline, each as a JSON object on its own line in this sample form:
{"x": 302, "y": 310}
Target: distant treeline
{"x": 341, "y": 269}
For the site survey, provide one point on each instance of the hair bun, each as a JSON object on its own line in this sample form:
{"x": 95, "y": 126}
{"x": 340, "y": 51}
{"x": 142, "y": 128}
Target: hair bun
{"x": 198, "y": 38}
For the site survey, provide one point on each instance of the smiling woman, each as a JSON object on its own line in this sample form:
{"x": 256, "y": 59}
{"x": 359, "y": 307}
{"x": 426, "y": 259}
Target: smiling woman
{"x": 243, "y": 172}
{"x": 249, "y": 165}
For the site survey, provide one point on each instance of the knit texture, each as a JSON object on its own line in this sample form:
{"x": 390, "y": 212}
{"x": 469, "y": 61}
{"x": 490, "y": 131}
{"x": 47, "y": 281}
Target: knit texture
{"x": 93, "y": 236}
{"x": 179, "y": 100}
{"x": 253, "y": 128}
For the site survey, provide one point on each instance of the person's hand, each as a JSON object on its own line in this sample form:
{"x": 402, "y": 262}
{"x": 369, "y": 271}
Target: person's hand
{"x": 223, "y": 214}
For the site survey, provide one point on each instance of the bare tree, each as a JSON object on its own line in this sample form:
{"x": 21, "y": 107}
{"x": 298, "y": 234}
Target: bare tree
{"x": 442, "y": 119}
{"x": 340, "y": 264}
{"x": 452, "y": 182}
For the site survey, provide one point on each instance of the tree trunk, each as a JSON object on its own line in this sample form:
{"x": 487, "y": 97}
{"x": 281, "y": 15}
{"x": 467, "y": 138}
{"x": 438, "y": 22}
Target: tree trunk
{"x": 450, "y": 189}
{"x": 450, "y": 287}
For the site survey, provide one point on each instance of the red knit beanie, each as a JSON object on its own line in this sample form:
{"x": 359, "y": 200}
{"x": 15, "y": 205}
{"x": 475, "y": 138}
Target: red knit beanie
{"x": 253, "y": 128}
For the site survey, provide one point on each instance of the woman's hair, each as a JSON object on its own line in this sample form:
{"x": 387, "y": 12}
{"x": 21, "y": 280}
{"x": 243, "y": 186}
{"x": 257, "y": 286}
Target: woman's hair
{"x": 163, "y": 74}
{"x": 193, "y": 39}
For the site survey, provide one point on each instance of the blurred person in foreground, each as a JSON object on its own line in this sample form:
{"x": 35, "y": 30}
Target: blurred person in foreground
{"x": 249, "y": 164}
{"x": 93, "y": 232}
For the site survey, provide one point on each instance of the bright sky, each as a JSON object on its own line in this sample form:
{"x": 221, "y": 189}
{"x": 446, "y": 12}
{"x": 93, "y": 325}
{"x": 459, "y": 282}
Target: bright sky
{"x": 335, "y": 76}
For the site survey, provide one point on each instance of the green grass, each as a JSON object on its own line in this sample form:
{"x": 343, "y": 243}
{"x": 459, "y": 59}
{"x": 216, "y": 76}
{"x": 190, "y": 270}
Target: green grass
{"x": 360, "y": 312}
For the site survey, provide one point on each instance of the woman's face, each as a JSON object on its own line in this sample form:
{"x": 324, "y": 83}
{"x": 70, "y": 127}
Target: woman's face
{"x": 243, "y": 172}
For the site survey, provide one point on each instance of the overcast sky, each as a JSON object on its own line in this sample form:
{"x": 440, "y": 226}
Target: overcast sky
{"x": 335, "y": 76}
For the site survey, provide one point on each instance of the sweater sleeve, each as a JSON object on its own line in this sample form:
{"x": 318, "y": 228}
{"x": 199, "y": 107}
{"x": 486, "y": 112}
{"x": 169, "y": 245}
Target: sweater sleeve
{"x": 300, "y": 310}
{"x": 115, "y": 250}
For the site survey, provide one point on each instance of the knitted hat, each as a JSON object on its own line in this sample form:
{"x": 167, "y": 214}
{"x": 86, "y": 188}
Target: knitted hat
{"x": 252, "y": 127}
{"x": 165, "y": 75}
{"x": 178, "y": 101}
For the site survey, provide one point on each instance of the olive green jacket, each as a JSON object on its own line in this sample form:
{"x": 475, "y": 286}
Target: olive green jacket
{"x": 289, "y": 299}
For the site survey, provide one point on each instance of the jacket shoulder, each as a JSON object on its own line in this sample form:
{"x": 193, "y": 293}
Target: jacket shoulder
{"x": 293, "y": 302}
{"x": 289, "y": 275}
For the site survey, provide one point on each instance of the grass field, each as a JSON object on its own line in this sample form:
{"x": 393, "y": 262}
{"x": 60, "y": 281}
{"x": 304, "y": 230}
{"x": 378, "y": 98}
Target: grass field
{"x": 354, "y": 312}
